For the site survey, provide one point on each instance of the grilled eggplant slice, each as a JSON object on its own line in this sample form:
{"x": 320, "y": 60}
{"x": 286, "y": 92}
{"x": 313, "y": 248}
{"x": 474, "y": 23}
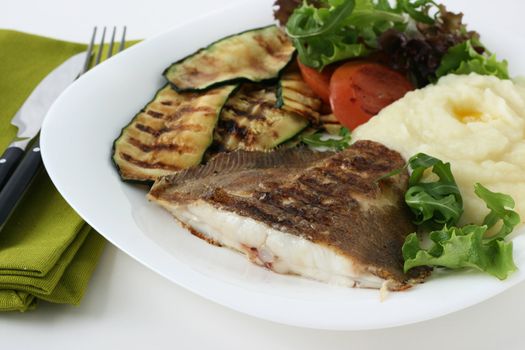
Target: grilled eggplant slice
{"x": 171, "y": 133}
{"x": 251, "y": 121}
{"x": 255, "y": 55}
{"x": 294, "y": 95}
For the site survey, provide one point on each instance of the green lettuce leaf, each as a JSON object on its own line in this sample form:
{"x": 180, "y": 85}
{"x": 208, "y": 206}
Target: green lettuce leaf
{"x": 498, "y": 204}
{"x": 469, "y": 246}
{"x": 434, "y": 203}
{"x": 418, "y": 10}
{"x": 340, "y": 30}
{"x": 464, "y": 59}
{"x": 456, "y": 248}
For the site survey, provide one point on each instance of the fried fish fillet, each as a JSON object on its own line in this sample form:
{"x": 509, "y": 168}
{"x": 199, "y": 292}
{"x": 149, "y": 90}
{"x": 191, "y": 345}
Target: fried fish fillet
{"x": 324, "y": 216}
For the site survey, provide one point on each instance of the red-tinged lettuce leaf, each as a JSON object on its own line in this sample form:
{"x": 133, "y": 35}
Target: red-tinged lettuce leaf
{"x": 420, "y": 55}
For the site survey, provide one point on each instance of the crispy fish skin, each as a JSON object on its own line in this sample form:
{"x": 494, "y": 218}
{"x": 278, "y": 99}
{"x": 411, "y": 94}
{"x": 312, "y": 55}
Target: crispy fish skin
{"x": 331, "y": 206}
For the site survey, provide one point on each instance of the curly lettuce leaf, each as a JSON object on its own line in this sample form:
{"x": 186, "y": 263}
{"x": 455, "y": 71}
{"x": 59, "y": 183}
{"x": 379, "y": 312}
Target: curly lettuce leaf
{"x": 464, "y": 59}
{"x": 309, "y": 21}
{"x": 464, "y": 247}
{"x": 343, "y": 29}
{"x": 434, "y": 203}
{"x": 469, "y": 246}
{"x": 418, "y": 10}
{"x": 498, "y": 203}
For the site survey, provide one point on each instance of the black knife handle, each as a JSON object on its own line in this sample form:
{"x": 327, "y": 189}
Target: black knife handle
{"x": 19, "y": 181}
{"x": 8, "y": 163}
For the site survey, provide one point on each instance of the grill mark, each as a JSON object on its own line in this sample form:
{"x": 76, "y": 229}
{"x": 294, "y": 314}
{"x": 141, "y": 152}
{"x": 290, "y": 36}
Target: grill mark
{"x": 190, "y": 109}
{"x": 159, "y": 147}
{"x": 298, "y": 207}
{"x": 302, "y": 92}
{"x": 323, "y": 189}
{"x": 246, "y": 207}
{"x": 244, "y": 114}
{"x": 264, "y": 44}
{"x": 283, "y": 39}
{"x": 166, "y": 103}
{"x": 300, "y": 194}
{"x": 180, "y": 127}
{"x": 306, "y": 113}
{"x": 154, "y": 114}
{"x": 376, "y": 167}
{"x": 190, "y": 76}
{"x": 256, "y": 64}
{"x": 305, "y": 109}
{"x": 187, "y": 127}
{"x": 142, "y": 164}
{"x": 148, "y": 129}
{"x": 231, "y": 127}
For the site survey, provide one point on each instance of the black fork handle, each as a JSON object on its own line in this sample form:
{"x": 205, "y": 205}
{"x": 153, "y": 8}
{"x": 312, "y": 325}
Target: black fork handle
{"x": 19, "y": 181}
{"x": 8, "y": 162}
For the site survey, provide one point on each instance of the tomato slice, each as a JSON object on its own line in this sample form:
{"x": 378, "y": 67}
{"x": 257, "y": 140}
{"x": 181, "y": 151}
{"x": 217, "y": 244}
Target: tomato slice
{"x": 319, "y": 82}
{"x": 359, "y": 90}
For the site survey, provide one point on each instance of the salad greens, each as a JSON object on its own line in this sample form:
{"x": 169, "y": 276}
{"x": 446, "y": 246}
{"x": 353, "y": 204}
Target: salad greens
{"x": 418, "y": 37}
{"x": 456, "y": 248}
{"x": 469, "y": 246}
{"x": 439, "y": 204}
{"x": 320, "y": 139}
{"x": 339, "y": 30}
{"x": 425, "y": 41}
{"x": 497, "y": 203}
{"x": 464, "y": 59}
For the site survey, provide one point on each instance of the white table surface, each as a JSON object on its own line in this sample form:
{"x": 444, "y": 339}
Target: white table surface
{"x": 128, "y": 306}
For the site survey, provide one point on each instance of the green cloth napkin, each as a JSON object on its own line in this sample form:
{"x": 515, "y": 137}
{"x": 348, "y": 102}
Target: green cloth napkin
{"x": 46, "y": 250}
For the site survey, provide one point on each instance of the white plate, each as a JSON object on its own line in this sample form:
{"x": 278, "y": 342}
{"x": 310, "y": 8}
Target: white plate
{"x": 76, "y": 142}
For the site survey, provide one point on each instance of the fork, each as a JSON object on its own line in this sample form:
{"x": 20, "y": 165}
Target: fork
{"x": 89, "y": 52}
{"x": 22, "y": 177}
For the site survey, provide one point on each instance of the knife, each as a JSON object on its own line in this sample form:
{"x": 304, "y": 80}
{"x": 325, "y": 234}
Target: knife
{"x": 29, "y": 120}
{"x": 29, "y": 117}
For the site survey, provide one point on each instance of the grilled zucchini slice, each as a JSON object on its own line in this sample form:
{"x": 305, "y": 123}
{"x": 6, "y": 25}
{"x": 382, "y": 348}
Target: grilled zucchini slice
{"x": 294, "y": 95}
{"x": 255, "y": 55}
{"x": 330, "y": 123}
{"x": 251, "y": 121}
{"x": 171, "y": 133}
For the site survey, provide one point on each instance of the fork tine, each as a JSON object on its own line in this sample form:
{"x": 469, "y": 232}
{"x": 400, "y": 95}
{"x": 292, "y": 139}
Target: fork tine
{"x": 90, "y": 49}
{"x": 89, "y": 52}
{"x": 110, "y": 50}
{"x": 123, "y": 40}
{"x": 100, "y": 47}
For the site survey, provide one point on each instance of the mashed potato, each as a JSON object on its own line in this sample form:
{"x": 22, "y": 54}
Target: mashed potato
{"x": 477, "y": 123}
